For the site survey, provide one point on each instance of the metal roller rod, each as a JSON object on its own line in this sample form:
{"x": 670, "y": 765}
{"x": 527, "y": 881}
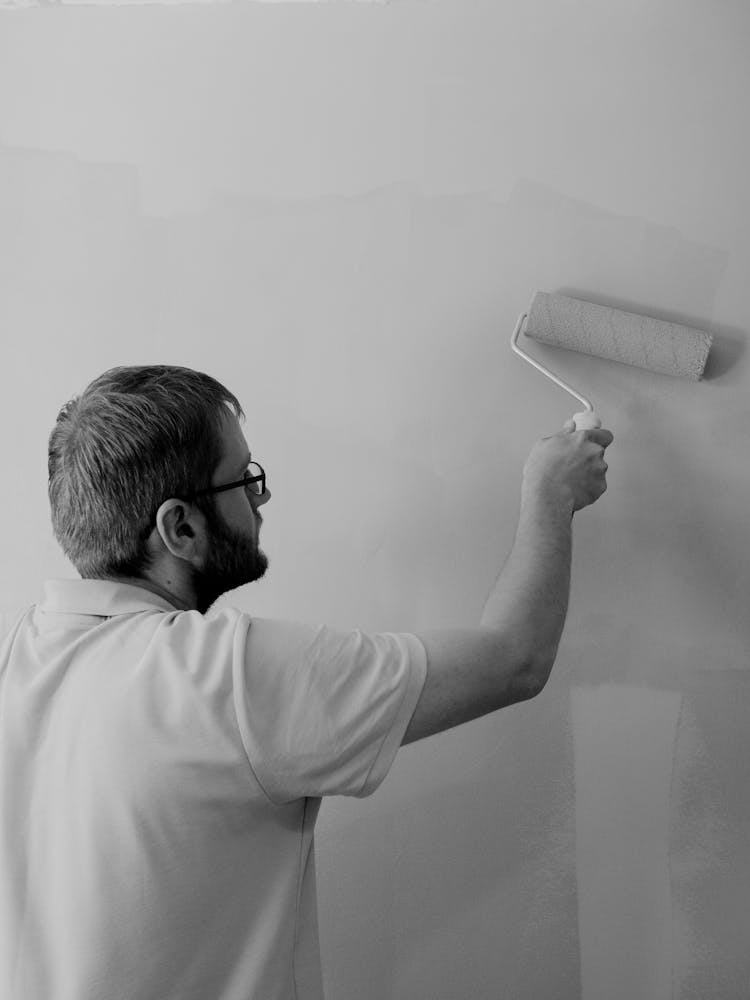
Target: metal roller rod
{"x": 588, "y": 406}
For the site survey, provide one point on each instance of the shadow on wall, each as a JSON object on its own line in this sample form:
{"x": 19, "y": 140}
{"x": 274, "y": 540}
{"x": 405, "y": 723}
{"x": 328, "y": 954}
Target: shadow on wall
{"x": 728, "y": 348}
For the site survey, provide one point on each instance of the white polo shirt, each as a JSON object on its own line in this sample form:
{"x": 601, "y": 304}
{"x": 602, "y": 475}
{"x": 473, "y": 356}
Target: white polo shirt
{"x": 160, "y": 777}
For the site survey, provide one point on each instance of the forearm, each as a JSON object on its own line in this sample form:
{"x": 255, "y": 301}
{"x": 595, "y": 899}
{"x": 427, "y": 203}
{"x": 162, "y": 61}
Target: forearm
{"x": 471, "y": 672}
{"x": 529, "y": 601}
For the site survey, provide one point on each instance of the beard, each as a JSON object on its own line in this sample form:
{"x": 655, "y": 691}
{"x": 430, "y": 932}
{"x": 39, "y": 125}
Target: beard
{"x": 233, "y": 560}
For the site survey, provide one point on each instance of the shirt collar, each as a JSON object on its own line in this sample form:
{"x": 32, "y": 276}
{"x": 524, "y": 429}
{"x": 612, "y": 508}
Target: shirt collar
{"x": 104, "y": 598}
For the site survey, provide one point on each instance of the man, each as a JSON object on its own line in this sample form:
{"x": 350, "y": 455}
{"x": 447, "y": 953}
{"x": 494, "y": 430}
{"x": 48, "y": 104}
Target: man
{"x": 161, "y": 768}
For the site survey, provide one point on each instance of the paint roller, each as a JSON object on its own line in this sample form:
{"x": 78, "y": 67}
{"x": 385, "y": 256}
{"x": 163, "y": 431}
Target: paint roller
{"x": 632, "y": 339}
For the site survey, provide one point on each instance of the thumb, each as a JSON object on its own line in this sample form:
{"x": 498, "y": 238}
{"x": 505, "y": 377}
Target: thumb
{"x": 569, "y": 426}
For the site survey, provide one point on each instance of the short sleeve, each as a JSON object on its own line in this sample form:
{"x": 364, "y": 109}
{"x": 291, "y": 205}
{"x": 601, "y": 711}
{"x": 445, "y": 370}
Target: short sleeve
{"x": 322, "y": 711}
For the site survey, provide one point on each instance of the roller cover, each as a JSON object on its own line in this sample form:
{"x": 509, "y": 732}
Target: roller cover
{"x": 667, "y": 348}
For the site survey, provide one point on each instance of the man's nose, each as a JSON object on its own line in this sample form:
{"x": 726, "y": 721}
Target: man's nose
{"x": 263, "y": 498}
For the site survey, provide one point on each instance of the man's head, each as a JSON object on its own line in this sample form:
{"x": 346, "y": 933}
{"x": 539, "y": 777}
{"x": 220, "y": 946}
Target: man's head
{"x": 125, "y": 460}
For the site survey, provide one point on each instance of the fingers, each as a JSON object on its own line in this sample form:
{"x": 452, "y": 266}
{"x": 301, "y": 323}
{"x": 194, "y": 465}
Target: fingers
{"x": 601, "y": 436}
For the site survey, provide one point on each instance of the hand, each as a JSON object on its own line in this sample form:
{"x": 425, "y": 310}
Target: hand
{"x": 569, "y": 467}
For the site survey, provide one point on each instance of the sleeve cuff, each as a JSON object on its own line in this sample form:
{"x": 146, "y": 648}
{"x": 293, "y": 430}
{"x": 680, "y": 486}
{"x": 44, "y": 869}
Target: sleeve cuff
{"x": 416, "y": 657}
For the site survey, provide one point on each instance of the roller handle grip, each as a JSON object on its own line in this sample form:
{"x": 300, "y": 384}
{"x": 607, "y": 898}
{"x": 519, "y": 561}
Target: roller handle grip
{"x": 586, "y": 420}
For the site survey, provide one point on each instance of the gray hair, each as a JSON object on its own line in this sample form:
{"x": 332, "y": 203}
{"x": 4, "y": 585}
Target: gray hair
{"x": 133, "y": 438}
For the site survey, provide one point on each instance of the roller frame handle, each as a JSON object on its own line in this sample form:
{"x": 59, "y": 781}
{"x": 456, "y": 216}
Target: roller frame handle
{"x": 586, "y": 419}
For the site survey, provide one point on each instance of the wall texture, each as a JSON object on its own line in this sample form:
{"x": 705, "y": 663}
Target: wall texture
{"x": 340, "y": 210}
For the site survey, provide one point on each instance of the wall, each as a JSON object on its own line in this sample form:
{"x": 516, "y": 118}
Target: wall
{"x": 340, "y": 210}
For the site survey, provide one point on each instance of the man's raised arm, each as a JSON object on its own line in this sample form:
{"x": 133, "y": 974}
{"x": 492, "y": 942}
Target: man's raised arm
{"x": 509, "y": 656}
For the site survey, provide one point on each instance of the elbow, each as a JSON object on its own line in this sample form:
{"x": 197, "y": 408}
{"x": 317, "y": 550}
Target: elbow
{"x": 534, "y": 676}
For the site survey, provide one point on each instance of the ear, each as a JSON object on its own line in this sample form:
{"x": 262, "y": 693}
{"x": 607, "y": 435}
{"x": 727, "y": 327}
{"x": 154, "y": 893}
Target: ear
{"x": 181, "y": 528}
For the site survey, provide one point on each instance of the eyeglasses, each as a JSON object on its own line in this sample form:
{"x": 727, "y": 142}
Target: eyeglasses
{"x": 254, "y": 482}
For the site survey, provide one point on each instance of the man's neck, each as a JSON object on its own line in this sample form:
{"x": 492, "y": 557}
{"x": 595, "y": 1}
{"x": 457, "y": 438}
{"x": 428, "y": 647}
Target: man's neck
{"x": 168, "y": 589}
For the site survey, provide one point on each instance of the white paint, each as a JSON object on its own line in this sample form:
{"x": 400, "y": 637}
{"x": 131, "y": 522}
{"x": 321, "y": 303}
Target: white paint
{"x": 624, "y": 746}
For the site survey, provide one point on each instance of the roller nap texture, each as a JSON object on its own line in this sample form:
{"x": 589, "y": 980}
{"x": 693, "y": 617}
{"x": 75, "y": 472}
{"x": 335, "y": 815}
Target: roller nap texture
{"x": 667, "y": 348}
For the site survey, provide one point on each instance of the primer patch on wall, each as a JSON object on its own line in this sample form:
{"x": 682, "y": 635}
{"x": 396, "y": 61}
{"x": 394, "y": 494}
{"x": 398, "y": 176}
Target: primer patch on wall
{"x": 624, "y": 747}
{"x": 709, "y": 863}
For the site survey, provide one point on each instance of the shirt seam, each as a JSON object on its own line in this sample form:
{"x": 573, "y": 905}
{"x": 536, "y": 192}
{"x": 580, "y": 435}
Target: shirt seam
{"x": 237, "y": 690}
{"x": 411, "y": 681}
{"x": 300, "y": 879}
